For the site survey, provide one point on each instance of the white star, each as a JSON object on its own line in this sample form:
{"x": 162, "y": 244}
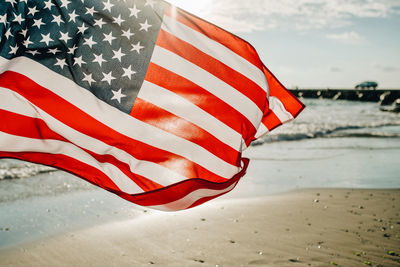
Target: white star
{"x": 99, "y": 22}
{"x": 78, "y": 61}
{"x": 14, "y": 49}
{"x": 18, "y": 18}
{"x": 99, "y": 59}
{"x": 72, "y": 16}
{"x": 144, "y": 26}
{"x": 8, "y": 33}
{"x": 118, "y": 20}
{"x": 32, "y": 11}
{"x": 88, "y": 78}
{"x": 108, "y": 6}
{"x": 48, "y": 4}
{"x": 38, "y": 23}
{"x": 33, "y": 52}
{"x": 89, "y": 42}
{"x": 127, "y": 33}
{"x": 27, "y": 42}
{"x": 46, "y": 38}
{"x": 64, "y": 37}
{"x": 3, "y": 19}
{"x": 118, "y": 54}
{"x": 64, "y": 3}
{"x": 128, "y": 72}
{"x": 57, "y": 19}
{"x": 54, "y": 51}
{"x": 149, "y": 3}
{"x": 24, "y": 32}
{"x": 108, "y": 37}
{"x": 134, "y": 11}
{"x": 117, "y": 95}
{"x": 137, "y": 47}
{"x": 12, "y": 2}
{"x": 82, "y": 28}
{"x": 108, "y": 78}
{"x": 71, "y": 50}
{"x": 60, "y": 62}
{"x": 90, "y": 11}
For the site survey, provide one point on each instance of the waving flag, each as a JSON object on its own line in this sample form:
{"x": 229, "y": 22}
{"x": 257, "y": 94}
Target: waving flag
{"x": 137, "y": 97}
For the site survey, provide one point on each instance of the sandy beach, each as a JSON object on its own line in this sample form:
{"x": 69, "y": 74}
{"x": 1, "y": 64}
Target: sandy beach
{"x": 314, "y": 227}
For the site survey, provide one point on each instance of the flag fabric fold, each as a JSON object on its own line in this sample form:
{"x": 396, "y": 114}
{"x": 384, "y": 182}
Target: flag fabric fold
{"x": 138, "y": 97}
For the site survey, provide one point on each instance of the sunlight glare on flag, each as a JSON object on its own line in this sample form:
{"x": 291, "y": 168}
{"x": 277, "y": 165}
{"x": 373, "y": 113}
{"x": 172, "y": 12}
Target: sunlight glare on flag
{"x": 197, "y": 7}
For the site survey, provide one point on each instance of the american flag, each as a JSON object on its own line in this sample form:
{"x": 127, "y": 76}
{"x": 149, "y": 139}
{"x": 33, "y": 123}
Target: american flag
{"x": 138, "y": 97}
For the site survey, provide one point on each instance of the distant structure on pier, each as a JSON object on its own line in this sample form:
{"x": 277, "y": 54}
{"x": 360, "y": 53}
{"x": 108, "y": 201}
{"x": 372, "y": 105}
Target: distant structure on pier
{"x": 367, "y": 85}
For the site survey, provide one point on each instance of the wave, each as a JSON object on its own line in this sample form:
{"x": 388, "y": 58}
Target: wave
{"x": 375, "y": 135}
{"x": 23, "y": 171}
{"x": 336, "y": 132}
{"x": 11, "y": 169}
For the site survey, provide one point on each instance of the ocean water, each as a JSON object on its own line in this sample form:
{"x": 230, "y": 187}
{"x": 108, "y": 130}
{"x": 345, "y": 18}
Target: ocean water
{"x": 326, "y": 118}
{"x": 331, "y": 144}
{"x": 341, "y": 143}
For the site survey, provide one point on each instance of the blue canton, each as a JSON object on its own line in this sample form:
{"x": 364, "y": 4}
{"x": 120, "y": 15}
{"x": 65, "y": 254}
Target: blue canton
{"x": 103, "y": 46}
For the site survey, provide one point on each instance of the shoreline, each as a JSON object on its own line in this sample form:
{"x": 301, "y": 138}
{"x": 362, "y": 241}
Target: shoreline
{"x": 309, "y": 227}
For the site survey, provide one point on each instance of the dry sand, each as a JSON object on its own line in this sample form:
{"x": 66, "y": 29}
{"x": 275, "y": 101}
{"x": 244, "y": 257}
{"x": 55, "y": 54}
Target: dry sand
{"x": 318, "y": 227}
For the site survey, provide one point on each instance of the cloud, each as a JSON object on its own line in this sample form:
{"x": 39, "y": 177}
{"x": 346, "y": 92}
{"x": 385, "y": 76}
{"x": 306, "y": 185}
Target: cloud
{"x": 386, "y": 68}
{"x": 346, "y": 37}
{"x": 256, "y": 15}
{"x": 335, "y": 69}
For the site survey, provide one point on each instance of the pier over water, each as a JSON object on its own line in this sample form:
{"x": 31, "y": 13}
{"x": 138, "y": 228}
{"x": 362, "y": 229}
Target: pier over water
{"x": 384, "y": 96}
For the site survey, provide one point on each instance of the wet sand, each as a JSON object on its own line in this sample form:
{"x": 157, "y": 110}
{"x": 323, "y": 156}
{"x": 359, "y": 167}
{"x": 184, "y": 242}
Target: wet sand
{"x": 315, "y": 227}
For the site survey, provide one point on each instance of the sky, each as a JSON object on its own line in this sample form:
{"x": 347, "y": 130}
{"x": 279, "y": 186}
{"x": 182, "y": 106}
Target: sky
{"x": 315, "y": 43}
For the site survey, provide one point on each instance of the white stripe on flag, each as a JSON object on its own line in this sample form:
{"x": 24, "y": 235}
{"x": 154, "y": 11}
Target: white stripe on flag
{"x": 125, "y": 124}
{"x": 262, "y": 130}
{"x": 209, "y": 82}
{"x": 279, "y": 109}
{"x": 14, "y": 143}
{"x": 185, "y": 109}
{"x": 215, "y": 50}
{"x": 16, "y": 103}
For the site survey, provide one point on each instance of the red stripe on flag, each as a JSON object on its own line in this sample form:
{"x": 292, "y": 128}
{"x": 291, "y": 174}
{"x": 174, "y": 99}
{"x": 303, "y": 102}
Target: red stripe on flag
{"x": 76, "y": 167}
{"x": 229, "y": 40}
{"x": 271, "y": 121}
{"x": 157, "y": 197}
{"x": 72, "y": 116}
{"x": 235, "y": 79}
{"x": 160, "y": 196}
{"x": 201, "y": 98}
{"x": 158, "y": 117}
{"x": 291, "y": 103}
{"x": 178, "y": 191}
{"x": 20, "y": 125}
